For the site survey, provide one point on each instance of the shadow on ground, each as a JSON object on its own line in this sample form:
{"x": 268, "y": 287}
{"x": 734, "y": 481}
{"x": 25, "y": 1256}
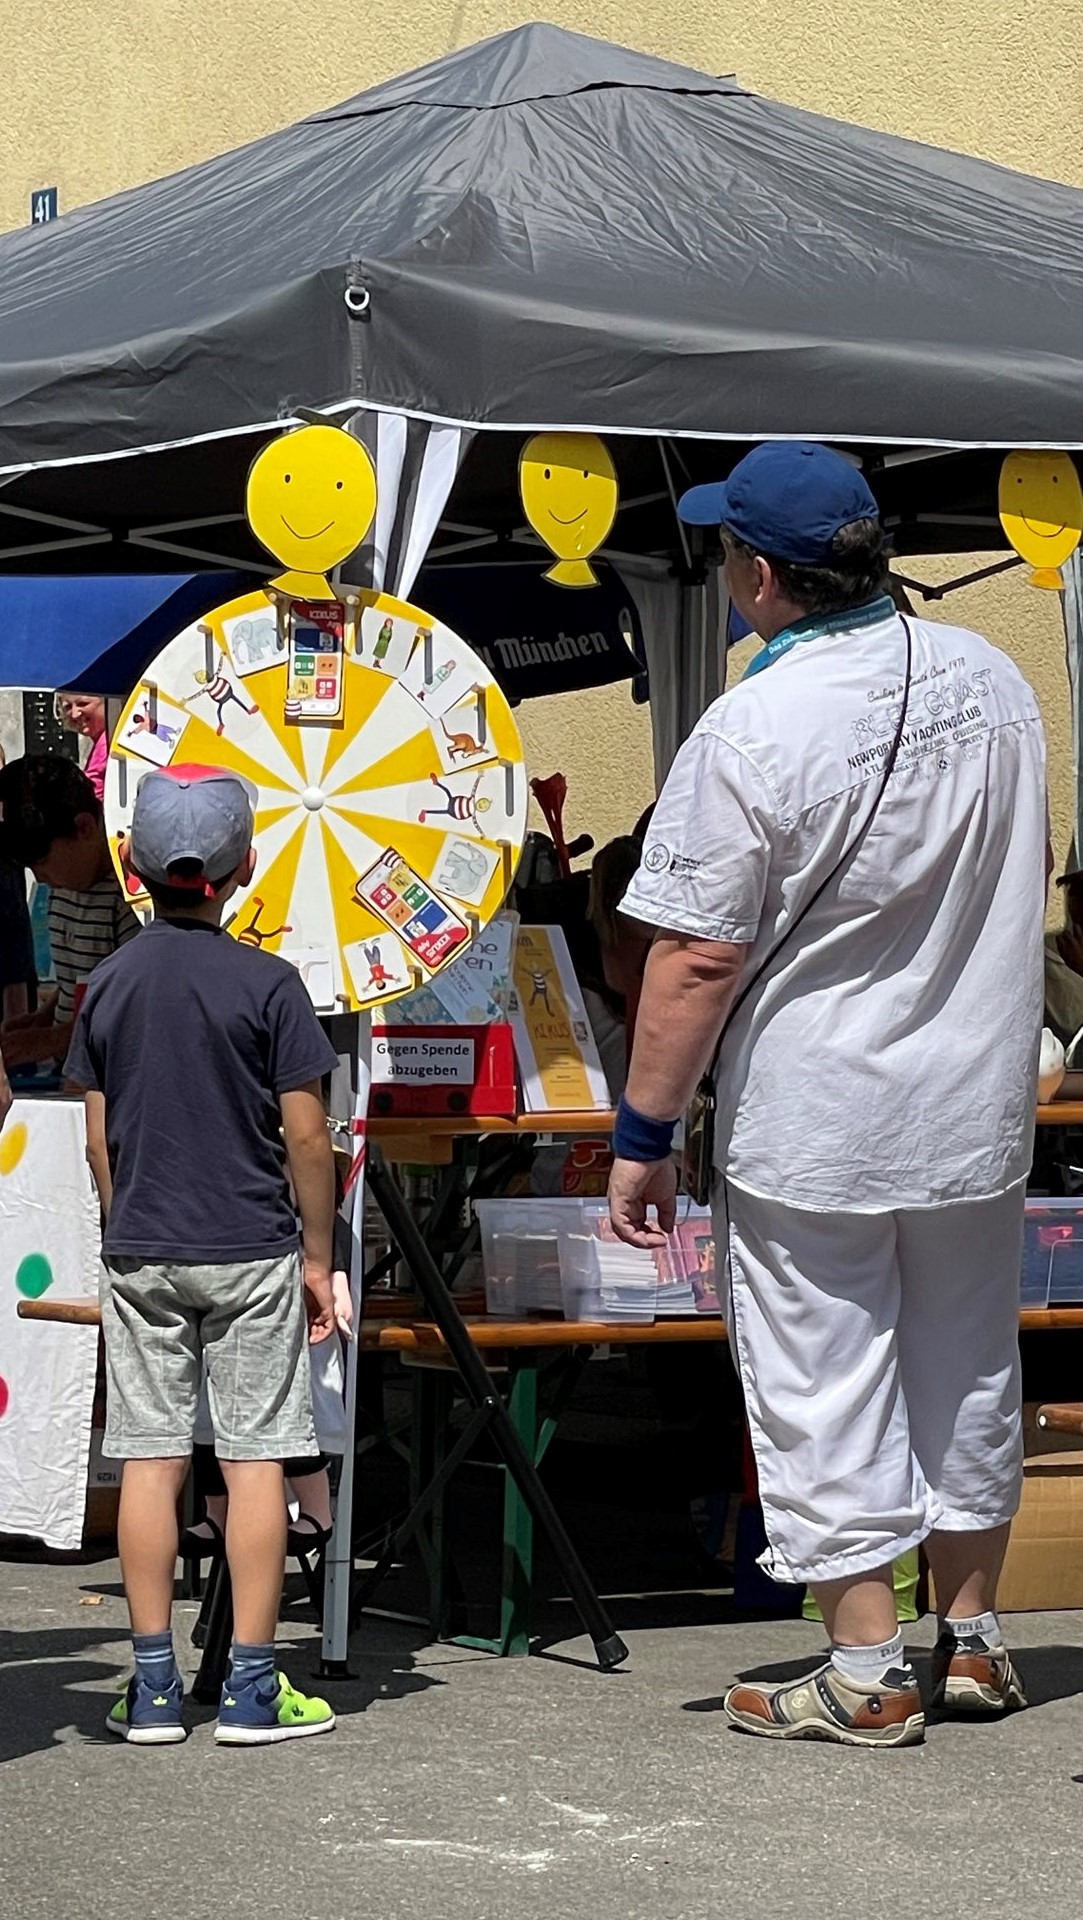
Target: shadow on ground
{"x": 56, "y": 1680}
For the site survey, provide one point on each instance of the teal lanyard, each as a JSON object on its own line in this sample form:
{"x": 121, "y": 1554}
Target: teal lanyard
{"x": 816, "y": 628}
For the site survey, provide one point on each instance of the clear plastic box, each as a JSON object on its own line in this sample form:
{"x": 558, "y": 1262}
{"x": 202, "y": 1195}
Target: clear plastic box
{"x": 1052, "y": 1253}
{"x": 520, "y": 1253}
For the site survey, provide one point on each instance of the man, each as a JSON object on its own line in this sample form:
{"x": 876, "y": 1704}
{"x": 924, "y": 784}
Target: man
{"x": 877, "y": 1088}
{"x": 53, "y": 824}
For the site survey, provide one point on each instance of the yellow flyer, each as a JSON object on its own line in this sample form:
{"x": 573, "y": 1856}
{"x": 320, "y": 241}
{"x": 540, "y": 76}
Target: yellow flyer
{"x": 558, "y": 1059}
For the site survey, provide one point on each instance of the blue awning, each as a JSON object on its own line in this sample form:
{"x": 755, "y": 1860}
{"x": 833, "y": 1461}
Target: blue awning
{"x": 99, "y": 632}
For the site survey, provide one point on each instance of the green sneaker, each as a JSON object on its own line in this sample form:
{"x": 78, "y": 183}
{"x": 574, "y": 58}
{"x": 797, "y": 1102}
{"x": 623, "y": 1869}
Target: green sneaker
{"x": 146, "y": 1718}
{"x": 256, "y": 1715}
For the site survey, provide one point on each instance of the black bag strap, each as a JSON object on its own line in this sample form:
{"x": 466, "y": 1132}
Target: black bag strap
{"x": 843, "y": 860}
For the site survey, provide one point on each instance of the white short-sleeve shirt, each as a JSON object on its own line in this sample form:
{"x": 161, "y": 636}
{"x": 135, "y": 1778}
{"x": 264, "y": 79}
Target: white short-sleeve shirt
{"x": 888, "y": 1058}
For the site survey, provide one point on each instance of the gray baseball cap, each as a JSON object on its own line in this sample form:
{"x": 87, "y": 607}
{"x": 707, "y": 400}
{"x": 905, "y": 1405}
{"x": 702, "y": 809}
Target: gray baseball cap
{"x": 189, "y": 813}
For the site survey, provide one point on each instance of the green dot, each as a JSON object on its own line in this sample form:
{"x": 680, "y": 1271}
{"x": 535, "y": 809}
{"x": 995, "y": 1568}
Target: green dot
{"x": 35, "y": 1276}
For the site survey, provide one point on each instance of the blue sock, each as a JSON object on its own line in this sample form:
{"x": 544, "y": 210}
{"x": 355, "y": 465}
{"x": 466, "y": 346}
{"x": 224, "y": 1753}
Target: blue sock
{"x": 251, "y": 1663}
{"x": 155, "y": 1661}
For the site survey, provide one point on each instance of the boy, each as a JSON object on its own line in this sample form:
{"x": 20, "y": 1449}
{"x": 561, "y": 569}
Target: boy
{"x": 53, "y": 824}
{"x": 195, "y": 1051}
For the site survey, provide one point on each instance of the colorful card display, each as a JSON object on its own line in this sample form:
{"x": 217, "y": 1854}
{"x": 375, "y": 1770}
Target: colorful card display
{"x": 382, "y": 848}
{"x": 316, "y": 652}
{"x": 423, "y": 923}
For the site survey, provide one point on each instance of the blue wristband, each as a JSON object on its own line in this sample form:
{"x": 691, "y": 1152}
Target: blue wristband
{"x": 637, "y": 1137}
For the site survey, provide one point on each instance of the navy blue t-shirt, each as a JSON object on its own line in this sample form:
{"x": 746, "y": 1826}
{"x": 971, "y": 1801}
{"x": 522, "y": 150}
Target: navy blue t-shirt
{"x": 191, "y": 1038}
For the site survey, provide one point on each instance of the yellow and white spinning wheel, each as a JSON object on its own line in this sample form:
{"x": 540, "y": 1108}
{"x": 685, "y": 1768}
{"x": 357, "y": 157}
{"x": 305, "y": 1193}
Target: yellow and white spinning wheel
{"x": 392, "y": 793}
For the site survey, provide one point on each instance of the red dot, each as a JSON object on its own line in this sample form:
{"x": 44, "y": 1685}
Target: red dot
{"x": 4, "y": 1396}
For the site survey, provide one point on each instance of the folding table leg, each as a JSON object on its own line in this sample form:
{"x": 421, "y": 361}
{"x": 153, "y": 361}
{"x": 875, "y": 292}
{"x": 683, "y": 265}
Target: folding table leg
{"x": 518, "y": 1578}
{"x": 433, "y": 1396}
{"x": 482, "y": 1390}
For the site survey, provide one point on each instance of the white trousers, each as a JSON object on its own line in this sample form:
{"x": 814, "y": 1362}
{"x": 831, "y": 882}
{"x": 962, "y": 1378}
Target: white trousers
{"x": 879, "y": 1355}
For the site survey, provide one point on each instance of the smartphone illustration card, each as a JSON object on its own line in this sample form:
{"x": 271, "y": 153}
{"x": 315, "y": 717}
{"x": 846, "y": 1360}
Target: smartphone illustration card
{"x": 314, "y": 681}
{"x": 428, "y": 928}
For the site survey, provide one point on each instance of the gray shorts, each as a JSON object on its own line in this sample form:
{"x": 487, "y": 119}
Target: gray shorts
{"x": 161, "y": 1319}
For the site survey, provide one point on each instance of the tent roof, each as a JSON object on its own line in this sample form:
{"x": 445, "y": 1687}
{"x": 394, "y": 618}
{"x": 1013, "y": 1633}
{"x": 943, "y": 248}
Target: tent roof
{"x": 556, "y": 230}
{"x": 534, "y": 62}
{"x": 551, "y": 231}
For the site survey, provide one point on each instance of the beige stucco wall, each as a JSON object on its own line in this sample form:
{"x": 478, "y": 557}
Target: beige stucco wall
{"x": 101, "y": 94}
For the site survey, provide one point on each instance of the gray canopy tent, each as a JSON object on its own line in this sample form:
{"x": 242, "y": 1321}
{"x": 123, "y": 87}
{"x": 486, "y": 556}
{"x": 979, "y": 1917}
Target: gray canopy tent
{"x": 542, "y": 230}
{"x": 539, "y": 232}
{"x": 548, "y": 230}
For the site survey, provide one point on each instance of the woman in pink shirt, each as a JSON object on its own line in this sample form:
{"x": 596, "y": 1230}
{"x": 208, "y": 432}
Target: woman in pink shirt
{"x": 85, "y": 713}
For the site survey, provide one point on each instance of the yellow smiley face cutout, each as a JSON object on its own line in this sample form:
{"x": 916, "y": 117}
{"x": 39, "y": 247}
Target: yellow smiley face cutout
{"x": 311, "y": 500}
{"x": 1041, "y": 511}
{"x": 568, "y": 486}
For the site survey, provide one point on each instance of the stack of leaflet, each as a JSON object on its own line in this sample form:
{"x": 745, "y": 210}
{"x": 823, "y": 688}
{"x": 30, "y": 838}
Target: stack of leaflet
{"x": 674, "y": 1296}
{"x": 1052, "y": 1252}
{"x": 603, "y": 1279}
{"x": 623, "y": 1279}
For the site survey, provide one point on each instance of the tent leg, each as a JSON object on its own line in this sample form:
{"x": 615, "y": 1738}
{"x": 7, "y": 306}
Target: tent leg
{"x": 338, "y": 1574}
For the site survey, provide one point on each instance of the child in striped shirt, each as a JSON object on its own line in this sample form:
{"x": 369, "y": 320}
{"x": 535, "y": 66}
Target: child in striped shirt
{"x": 52, "y": 822}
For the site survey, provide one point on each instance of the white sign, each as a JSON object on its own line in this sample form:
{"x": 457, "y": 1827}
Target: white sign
{"x": 51, "y": 1243}
{"x": 422, "y": 1061}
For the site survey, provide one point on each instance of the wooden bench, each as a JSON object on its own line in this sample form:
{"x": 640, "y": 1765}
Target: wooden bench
{"x": 521, "y": 1349}
{"x": 1063, "y": 1418}
{"x": 541, "y": 1361}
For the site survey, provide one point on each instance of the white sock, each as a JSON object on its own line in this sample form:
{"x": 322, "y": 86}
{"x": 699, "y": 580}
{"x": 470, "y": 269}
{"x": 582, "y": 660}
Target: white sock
{"x": 984, "y": 1626}
{"x": 866, "y": 1665}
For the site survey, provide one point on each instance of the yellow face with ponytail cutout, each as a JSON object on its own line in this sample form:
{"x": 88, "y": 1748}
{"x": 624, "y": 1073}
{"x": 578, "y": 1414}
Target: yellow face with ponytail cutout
{"x": 311, "y": 500}
{"x": 568, "y": 485}
{"x": 1041, "y": 511}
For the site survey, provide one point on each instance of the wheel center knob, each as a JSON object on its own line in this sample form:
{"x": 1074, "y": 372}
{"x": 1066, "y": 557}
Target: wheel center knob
{"x": 313, "y": 798}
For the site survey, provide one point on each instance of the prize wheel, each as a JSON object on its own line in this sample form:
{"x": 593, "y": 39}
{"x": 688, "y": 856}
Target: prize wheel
{"x": 391, "y": 788}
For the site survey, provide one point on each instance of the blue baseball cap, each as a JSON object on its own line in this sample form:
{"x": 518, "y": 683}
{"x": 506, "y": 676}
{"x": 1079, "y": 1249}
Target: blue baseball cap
{"x": 787, "y": 499}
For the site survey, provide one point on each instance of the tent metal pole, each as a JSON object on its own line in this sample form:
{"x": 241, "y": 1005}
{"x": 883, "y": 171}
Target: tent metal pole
{"x": 679, "y": 523}
{"x": 338, "y": 1577}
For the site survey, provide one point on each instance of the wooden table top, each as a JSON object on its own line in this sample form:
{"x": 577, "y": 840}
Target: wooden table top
{"x": 379, "y": 1309}
{"x": 492, "y": 1335}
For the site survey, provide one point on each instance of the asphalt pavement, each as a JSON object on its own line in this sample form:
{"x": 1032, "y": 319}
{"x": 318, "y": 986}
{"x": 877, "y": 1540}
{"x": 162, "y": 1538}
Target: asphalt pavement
{"x": 459, "y": 1785}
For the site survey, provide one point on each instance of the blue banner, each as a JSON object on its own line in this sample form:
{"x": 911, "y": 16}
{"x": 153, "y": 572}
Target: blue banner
{"x": 537, "y": 638}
